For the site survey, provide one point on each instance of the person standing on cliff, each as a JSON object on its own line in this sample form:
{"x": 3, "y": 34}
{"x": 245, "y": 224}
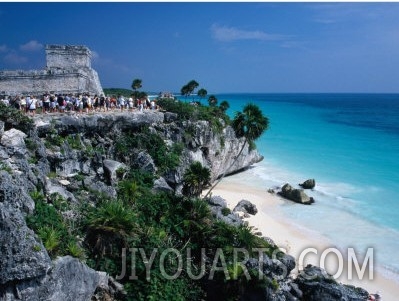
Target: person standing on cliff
{"x": 60, "y": 101}
{"x": 31, "y": 105}
{"x": 28, "y": 101}
{"x": 46, "y": 104}
{"x": 23, "y": 104}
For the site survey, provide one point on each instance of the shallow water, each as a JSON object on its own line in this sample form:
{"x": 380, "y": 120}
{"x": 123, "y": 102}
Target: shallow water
{"x": 350, "y": 144}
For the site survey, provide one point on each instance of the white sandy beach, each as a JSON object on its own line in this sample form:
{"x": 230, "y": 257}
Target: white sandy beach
{"x": 292, "y": 237}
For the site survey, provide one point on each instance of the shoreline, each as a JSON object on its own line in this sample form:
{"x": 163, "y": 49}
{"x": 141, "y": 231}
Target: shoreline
{"x": 294, "y": 238}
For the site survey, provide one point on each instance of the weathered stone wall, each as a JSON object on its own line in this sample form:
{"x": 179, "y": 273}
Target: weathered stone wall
{"x": 64, "y": 57}
{"x": 68, "y": 71}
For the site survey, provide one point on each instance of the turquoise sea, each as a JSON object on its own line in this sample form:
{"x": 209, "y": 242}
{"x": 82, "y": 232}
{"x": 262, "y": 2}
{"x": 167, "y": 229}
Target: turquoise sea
{"x": 350, "y": 144}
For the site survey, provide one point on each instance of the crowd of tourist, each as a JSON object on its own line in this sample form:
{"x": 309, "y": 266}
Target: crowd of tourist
{"x": 82, "y": 103}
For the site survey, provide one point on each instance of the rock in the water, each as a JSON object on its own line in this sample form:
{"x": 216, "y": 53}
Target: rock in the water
{"x": 308, "y": 184}
{"x": 246, "y": 207}
{"x": 296, "y": 195}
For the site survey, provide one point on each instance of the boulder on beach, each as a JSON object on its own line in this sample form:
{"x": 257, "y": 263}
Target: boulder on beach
{"x": 246, "y": 207}
{"x": 296, "y": 195}
{"x": 308, "y": 184}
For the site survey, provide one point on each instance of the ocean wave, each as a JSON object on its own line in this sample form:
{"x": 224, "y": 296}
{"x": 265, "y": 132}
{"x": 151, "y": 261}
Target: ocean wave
{"x": 337, "y": 214}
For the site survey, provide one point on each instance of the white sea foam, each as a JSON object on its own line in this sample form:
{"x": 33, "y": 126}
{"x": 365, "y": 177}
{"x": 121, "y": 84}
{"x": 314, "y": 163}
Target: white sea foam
{"x": 335, "y": 215}
{"x": 337, "y": 140}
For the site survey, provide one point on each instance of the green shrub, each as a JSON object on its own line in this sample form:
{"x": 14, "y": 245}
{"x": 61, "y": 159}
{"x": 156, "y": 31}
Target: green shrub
{"x": 5, "y": 167}
{"x": 48, "y": 223}
{"x": 14, "y": 118}
{"x": 226, "y": 211}
{"x": 37, "y": 196}
{"x": 51, "y": 238}
{"x": 79, "y": 177}
{"x": 52, "y": 175}
{"x": 31, "y": 144}
{"x": 165, "y": 158}
{"x": 74, "y": 141}
{"x": 74, "y": 250}
{"x": 109, "y": 226}
{"x": 187, "y": 111}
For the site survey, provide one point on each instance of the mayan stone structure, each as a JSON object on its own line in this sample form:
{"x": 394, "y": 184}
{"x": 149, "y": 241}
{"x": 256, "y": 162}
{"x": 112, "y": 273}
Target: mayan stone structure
{"x": 68, "y": 70}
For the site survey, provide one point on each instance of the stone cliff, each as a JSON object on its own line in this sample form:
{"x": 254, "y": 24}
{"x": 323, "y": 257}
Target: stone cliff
{"x": 214, "y": 150}
{"x": 81, "y": 158}
{"x": 27, "y": 160}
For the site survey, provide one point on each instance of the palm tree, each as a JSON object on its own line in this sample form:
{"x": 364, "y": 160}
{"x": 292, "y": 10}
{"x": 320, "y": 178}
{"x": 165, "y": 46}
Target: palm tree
{"x": 188, "y": 89}
{"x": 184, "y": 91}
{"x": 224, "y": 106}
{"x": 213, "y": 101}
{"x": 202, "y": 93}
{"x": 195, "y": 179}
{"x": 250, "y": 124}
{"x": 136, "y": 84}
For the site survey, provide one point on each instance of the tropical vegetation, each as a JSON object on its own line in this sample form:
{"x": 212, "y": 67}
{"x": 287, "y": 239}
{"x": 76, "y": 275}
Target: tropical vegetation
{"x": 249, "y": 124}
{"x": 139, "y": 220}
{"x": 196, "y": 178}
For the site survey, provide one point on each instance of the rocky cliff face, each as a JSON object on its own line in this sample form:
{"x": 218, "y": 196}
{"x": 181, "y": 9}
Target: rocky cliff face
{"x": 217, "y": 151}
{"x": 26, "y": 270}
{"x": 65, "y": 153}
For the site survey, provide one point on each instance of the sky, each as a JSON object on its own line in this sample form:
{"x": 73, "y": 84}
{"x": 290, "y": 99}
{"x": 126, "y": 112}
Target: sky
{"x": 226, "y": 47}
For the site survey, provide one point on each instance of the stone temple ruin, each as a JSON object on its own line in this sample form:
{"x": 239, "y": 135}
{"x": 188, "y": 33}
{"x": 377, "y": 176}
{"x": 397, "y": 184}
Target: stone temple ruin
{"x": 68, "y": 70}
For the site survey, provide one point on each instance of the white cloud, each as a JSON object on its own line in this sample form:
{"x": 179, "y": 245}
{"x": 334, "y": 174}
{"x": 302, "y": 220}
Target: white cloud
{"x": 14, "y": 58}
{"x": 31, "y": 46}
{"x": 3, "y": 48}
{"x": 229, "y": 34}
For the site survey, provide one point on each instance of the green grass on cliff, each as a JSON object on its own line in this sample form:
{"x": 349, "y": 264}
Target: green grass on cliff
{"x": 216, "y": 116}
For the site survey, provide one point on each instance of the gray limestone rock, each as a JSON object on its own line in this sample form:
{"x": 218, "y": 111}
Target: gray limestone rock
{"x": 160, "y": 185}
{"x": 170, "y": 117}
{"x": 217, "y": 201}
{"x": 316, "y": 285}
{"x": 296, "y": 195}
{"x": 246, "y": 207}
{"x": 1, "y": 128}
{"x": 308, "y": 184}
{"x": 231, "y": 219}
{"x": 111, "y": 168}
{"x": 62, "y": 191}
{"x": 145, "y": 162}
{"x": 13, "y": 138}
{"x": 68, "y": 280}
{"x": 22, "y": 254}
